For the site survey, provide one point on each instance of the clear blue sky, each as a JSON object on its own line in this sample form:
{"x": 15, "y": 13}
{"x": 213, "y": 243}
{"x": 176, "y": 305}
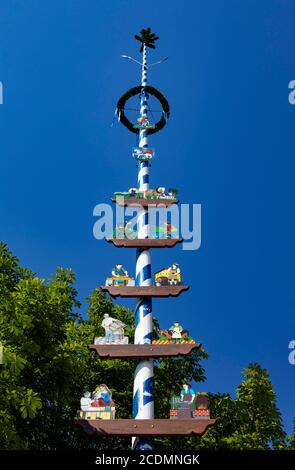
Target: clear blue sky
{"x": 229, "y": 145}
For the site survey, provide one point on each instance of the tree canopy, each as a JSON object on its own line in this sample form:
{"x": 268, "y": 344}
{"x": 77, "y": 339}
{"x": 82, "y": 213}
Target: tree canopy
{"x": 47, "y": 366}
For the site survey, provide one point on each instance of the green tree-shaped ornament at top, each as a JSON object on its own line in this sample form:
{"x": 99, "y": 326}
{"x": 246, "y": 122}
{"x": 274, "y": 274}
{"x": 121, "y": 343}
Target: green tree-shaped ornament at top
{"x": 146, "y": 37}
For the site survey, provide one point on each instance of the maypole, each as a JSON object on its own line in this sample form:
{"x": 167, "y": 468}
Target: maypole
{"x": 143, "y": 395}
{"x": 189, "y": 413}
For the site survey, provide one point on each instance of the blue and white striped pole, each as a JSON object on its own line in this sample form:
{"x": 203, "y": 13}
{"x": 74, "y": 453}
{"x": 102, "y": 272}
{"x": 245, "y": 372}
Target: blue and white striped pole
{"x": 143, "y": 395}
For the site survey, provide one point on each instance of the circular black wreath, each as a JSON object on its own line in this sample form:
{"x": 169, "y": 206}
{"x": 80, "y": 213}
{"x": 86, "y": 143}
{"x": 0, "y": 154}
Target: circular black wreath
{"x": 137, "y": 90}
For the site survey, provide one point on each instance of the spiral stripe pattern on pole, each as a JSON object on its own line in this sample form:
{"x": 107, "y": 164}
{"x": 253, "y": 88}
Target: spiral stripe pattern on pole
{"x": 143, "y": 394}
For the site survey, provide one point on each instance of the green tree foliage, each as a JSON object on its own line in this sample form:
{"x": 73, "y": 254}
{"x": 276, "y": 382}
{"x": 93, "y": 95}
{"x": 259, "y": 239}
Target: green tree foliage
{"x": 47, "y": 366}
{"x": 291, "y": 440}
{"x": 250, "y": 421}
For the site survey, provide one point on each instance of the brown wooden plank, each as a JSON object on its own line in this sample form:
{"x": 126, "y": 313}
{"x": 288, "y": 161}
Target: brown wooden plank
{"x": 143, "y": 202}
{"x": 145, "y": 427}
{"x": 145, "y": 291}
{"x": 145, "y": 243}
{"x": 133, "y": 351}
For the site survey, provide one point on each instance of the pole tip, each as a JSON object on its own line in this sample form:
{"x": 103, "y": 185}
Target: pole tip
{"x": 146, "y": 37}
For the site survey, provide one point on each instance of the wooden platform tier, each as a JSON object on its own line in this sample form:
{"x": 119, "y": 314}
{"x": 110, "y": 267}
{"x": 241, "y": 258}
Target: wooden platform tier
{"x": 144, "y": 202}
{"x": 142, "y": 351}
{"x": 144, "y": 291}
{"x": 144, "y": 242}
{"x": 145, "y": 427}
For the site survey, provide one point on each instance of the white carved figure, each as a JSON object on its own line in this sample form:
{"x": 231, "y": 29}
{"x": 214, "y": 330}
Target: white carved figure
{"x": 86, "y": 401}
{"x": 114, "y": 331}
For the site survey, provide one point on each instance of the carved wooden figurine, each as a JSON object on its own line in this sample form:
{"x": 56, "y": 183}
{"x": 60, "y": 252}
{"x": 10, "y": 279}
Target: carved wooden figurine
{"x": 164, "y": 231}
{"x": 143, "y": 153}
{"x": 120, "y": 277}
{"x": 144, "y": 123}
{"x": 114, "y": 331}
{"x": 168, "y": 276}
{"x": 98, "y": 405}
{"x": 175, "y": 334}
{"x": 159, "y": 193}
{"x": 189, "y": 404}
{"x": 202, "y": 407}
{"x": 122, "y": 231}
